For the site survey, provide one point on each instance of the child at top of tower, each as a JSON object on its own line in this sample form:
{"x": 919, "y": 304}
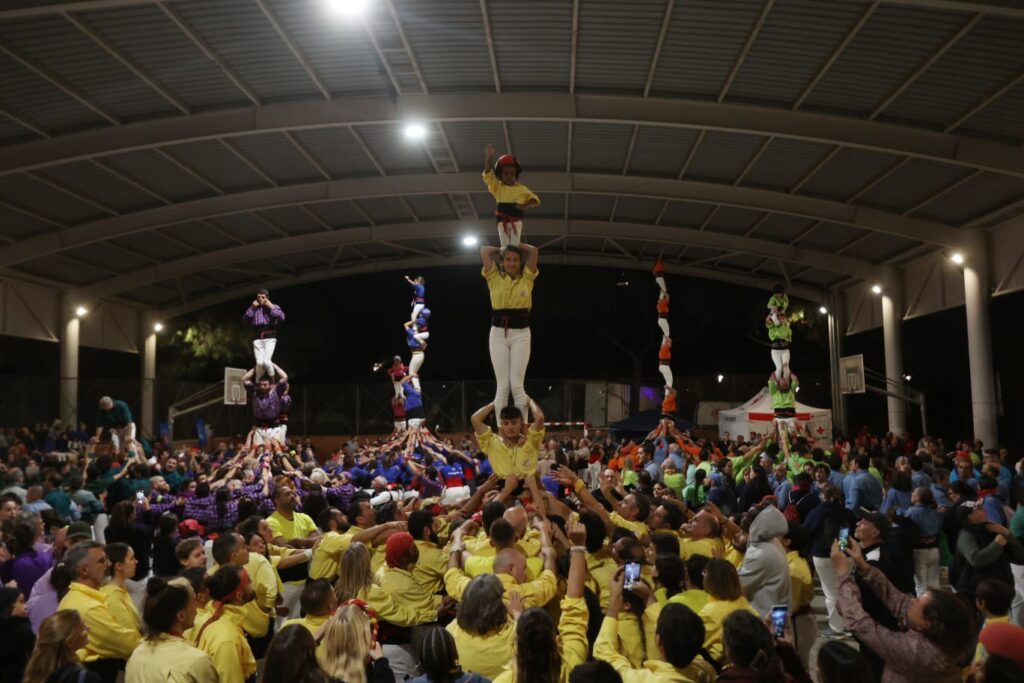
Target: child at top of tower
{"x": 502, "y": 180}
{"x": 778, "y": 303}
{"x": 419, "y": 295}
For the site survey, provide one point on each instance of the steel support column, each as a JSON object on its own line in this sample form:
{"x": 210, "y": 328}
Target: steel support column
{"x": 835, "y": 351}
{"x": 69, "y": 337}
{"x": 147, "y": 397}
{"x": 892, "y": 307}
{"x": 979, "y": 341}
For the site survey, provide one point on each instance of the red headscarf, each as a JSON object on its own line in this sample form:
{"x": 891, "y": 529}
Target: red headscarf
{"x": 397, "y": 547}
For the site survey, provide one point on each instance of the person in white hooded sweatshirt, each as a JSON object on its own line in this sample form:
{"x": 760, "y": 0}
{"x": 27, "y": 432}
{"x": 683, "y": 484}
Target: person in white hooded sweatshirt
{"x": 764, "y": 573}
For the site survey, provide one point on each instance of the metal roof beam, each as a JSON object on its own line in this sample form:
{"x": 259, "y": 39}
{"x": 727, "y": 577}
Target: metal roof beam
{"x": 406, "y": 185}
{"x": 552, "y": 107}
{"x": 839, "y": 49}
{"x": 573, "y": 43}
{"x": 293, "y": 48}
{"x": 399, "y": 232}
{"x": 490, "y": 45}
{"x": 751, "y": 38}
{"x": 669, "y": 4}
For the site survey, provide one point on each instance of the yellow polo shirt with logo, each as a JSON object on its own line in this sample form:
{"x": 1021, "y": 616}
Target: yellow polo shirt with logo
{"x": 518, "y": 460}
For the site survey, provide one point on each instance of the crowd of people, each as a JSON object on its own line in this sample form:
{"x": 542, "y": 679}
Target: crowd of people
{"x": 503, "y": 556}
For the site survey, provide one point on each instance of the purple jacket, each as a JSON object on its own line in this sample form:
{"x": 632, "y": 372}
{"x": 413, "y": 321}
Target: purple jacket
{"x": 267, "y": 408}
{"x": 25, "y": 569}
{"x": 259, "y": 316}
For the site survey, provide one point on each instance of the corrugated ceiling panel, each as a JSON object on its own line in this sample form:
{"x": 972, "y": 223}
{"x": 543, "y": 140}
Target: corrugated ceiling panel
{"x": 198, "y": 235}
{"x": 149, "y": 37}
{"x": 226, "y": 277}
{"x": 302, "y": 260}
{"x": 912, "y": 183}
{"x": 847, "y": 172}
{"x": 722, "y": 156}
{"x": 40, "y": 102}
{"x": 785, "y": 162}
{"x": 536, "y": 58}
{"x": 600, "y": 146}
{"x": 339, "y": 49}
{"x": 638, "y": 209}
{"x": 432, "y": 206}
{"x": 154, "y": 245}
{"x": 244, "y": 227}
{"x": 238, "y": 32}
{"x": 733, "y": 219}
{"x": 385, "y": 210}
{"x": 592, "y": 206}
{"x": 483, "y": 203}
{"x": 374, "y": 250}
{"x": 70, "y": 271}
{"x": 154, "y": 171}
{"x": 831, "y": 236}
{"x": 58, "y": 46}
{"x": 984, "y": 59}
{"x": 771, "y": 268}
{"x": 688, "y": 214}
{"x": 469, "y": 138}
{"x": 615, "y": 43}
{"x": 1001, "y": 119}
{"x": 552, "y": 205}
{"x": 394, "y": 151}
{"x": 101, "y": 256}
{"x": 338, "y": 214}
{"x": 893, "y": 43}
{"x": 150, "y": 296}
{"x": 292, "y": 220}
{"x": 540, "y": 145}
{"x": 16, "y": 225}
{"x": 879, "y": 247}
{"x": 661, "y": 151}
{"x": 821, "y": 278}
{"x": 20, "y": 190}
{"x": 276, "y": 155}
{"x": 704, "y": 39}
{"x": 337, "y": 150}
{"x": 11, "y": 132}
{"x": 974, "y": 198}
{"x": 782, "y": 228}
{"x": 95, "y": 182}
{"x": 741, "y": 262}
{"x": 796, "y": 39}
{"x": 218, "y": 163}
{"x": 447, "y": 38}
{"x": 586, "y": 244}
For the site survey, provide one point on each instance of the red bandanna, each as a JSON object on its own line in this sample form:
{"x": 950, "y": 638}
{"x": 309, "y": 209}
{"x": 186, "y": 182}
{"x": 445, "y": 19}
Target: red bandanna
{"x": 397, "y": 547}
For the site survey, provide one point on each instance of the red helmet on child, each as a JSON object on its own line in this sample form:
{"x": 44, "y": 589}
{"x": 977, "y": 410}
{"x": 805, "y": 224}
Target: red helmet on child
{"x": 507, "y": 160}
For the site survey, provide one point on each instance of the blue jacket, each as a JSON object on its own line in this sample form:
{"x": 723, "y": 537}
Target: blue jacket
{"x": 862, "y": 491}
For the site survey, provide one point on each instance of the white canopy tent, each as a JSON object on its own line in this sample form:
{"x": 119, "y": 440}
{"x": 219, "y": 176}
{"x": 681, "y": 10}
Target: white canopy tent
{"x": 756, "y": 416}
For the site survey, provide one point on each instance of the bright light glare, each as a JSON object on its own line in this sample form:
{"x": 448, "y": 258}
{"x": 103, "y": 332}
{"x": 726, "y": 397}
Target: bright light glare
{"x": 823, "y": 310}
{"x": 158, "y": 327}
{"x": 470, "y": 241}
{"x": 348, "y": 8}
{"x": 957, "y": 258}
{"x": 906, "y": 378}
{"x": 720, "y": 378}
{"x": 81, "y": 311}
{"x": 415, "y": 131}
{"x": 877, "y": 289}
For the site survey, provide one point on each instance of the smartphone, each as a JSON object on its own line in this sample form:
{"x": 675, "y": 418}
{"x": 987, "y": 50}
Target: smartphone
{"x": 844, "y": 538}
{"x": 139, "y": 496}
{"x": 632, "y": 575}
{"x": 779, "y": 615}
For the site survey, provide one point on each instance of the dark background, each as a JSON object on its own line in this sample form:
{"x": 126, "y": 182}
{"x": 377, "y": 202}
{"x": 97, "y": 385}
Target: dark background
{"x": 587, "y": 323}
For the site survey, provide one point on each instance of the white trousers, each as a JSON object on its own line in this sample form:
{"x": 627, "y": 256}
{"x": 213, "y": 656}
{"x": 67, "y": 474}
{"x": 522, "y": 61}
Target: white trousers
{"x": 663, "y": 324}
{"x": 399, "y": 426}
{"x": 415, "y": 422}
{"x": 455, "y": 495}
{"x": 805, "y": 632}
{"x": 666, "y": 372}
{"x": 415, "y": 363}
{"x": 263, "y": 349}
{"x": 264, "y": 436}
{"x": 926, "y": 569}
{"x": 827, "y": 575}
{"x": 421, "y": 336}
{"x": 510, "y": 354}
{"x": 397, "y": 386}
{"x": 1017, "y": 608}
{"x": 416, "y": 308}
{"x": 660, "y": 279}
{"x": 510, "y": 235}
{"x": 781, "y": 359}
{"x": 122, "y": 436}
{"x": 787, "y": 423}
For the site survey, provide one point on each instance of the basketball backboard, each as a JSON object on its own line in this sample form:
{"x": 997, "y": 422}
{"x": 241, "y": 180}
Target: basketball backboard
{"x": 851, "y": 374}
{"x": 234, "y": 388}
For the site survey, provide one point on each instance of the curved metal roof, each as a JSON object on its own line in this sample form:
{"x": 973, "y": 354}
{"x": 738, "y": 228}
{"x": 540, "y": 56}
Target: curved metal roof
{"x": 173, "y": 154}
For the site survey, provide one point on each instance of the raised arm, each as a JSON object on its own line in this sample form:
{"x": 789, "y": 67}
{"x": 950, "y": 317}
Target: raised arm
{"x": 487, "y": 255}
{"x": 477, "y": 418}
{"x": 247, "y": 377}
{"x": 532, "y": 255}
{"x": 489, "y": 153}
{"x": 538, "y": 416}
{"x": 281, "y": 374}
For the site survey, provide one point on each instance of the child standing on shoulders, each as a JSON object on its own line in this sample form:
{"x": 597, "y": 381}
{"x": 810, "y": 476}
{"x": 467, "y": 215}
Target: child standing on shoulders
{"x": 502, "y": 180}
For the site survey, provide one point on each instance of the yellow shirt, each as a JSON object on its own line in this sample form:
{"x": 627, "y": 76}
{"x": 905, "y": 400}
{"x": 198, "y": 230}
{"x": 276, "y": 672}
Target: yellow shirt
{"x": 484, "y": 655}
{"x": 688, "y": 547}
{"x": 476, "y": 565}
{"x": 713, "y": 615}
{"x": 430, "y": 568}
{"x": 533, "y": 593}
{"x": 640, "y": 529}
{"x": 203, "y": 613}
{"x": 224, "y": 641}
{"x": 108, "y": 638}
{"x": 653, "y": 671}
{"x": 264, "y": 581}
{"x": 300, "y": 525}
{"x": 395, "y": 612}
{"x": 517, "y": 460}
{"x": 979, "y": 651}
{"x": 800, "y": 580}
{"x": 695, "y": 599}
{"x": 481, "y": 544}
{"x": 510, "y": 292}
{"x": 121, "y": 606}
{"x": 508, "y": 194}
{"x": 601, "y": 566}
{"x": 327, "y": 555}
{"x": 733, "y": 555}
{"x": 311, "y": 624}
{"x": 572, "y": 641}
{"x": 255, "y": 618}
{"x": 400, "y": 585}
{"x": 169, "y": 659}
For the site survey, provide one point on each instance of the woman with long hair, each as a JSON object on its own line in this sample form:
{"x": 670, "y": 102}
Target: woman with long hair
{"x": 752, "y": 653}
{"x": 439, "y": 659}
{"x": 54, "y": 659}
{"x": 165, "y": 655}
{"x": 28, "y": 563}
{"x": 119, "y": 602}
{"x": 484, "y": 631}
{"x": 291, "y": 658}
{"x": 16, "y": 637}
{"x": 165, "y": 562}
{"x": 351, "y": 655}
{"x": 725, "y": 596}
{"x": 511, "y": 292}
{"x": 124, "y": 529}
{"x": 356, "y": 582}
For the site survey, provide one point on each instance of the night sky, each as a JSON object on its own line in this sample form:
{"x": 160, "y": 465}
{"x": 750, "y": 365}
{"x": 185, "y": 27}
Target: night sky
{"x": 337, "y": 329}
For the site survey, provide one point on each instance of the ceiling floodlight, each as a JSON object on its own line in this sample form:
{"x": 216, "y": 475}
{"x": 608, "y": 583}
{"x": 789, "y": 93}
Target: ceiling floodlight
{"x": 720, "y": 378}
{"x": 957, "y": 258}
{"x": 823, "y": 310}
{"x": 158, "y": 327}
{"x": 876, "y": 289}
{"x": 415, "y": 131}
{"x": 348, "y": 8}
{"x": 470, "y": 241}
{"x": 81, "y": 311}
